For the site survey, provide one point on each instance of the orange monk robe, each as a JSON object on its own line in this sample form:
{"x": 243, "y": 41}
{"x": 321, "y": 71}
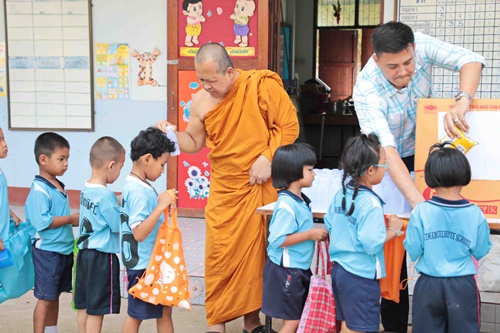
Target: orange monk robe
{"x": 256, "y": 117}
{"x": 394, "y": 253}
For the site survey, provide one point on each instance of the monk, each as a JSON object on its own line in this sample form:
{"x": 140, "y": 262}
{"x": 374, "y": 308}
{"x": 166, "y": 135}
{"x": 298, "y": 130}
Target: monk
{"x": 243, "y": 117}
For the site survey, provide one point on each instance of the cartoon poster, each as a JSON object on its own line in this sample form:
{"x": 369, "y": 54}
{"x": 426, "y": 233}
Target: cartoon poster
{"x": 232, "y": 23}
{"x": 112, "y": 69}
{"x": 3, "y": 77}
{"x": 193, "y": 170}
{"x": 484, "y": 188}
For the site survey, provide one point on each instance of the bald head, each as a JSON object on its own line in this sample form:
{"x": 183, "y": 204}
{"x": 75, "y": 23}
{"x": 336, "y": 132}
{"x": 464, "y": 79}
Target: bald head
{"x": 104, "y": 150}
{"x": 216, "y": 53}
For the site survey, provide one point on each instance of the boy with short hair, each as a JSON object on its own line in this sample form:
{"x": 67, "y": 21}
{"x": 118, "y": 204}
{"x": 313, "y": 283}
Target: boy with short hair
{"x": 49, "y": 216}
{"x": 97, "y": 286}
{"x": 142, "y": 210}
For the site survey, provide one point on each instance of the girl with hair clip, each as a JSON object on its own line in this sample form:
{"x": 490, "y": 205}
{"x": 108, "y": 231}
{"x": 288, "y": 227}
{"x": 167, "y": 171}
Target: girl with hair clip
{"x": 355, "y": 222}
{"x": 443, "y": 235}
{"x": 291, "y": 236}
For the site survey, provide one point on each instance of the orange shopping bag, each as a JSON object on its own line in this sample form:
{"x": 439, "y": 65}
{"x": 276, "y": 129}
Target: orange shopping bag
{"x": 165, "y": 281}
{"x": 394, "y": 253}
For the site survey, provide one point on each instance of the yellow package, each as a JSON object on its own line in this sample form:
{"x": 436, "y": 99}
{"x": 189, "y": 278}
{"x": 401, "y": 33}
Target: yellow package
{"x": 463, "y": 144}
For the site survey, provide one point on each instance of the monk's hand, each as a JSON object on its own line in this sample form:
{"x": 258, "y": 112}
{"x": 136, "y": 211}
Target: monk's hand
{"x": 260, "y": 171}
{"x": 163, "y": 124}
{"x": 1, "y": 245}
{"x": 456, "y": 118}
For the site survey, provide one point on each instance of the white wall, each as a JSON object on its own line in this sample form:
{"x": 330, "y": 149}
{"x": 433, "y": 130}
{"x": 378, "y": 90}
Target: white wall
{"x": 143, "y": 27}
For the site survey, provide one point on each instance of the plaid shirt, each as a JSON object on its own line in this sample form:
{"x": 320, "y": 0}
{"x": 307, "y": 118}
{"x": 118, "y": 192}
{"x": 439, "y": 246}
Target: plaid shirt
{"x": 391, "y": 113}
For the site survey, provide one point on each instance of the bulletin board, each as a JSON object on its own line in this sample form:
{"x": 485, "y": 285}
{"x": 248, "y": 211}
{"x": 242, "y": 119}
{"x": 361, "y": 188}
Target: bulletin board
{"x": 49, "y": 64}
{"x": 484, "y": 188}
{"x": 233, "y": 24}
{"x": 466, "y": 23}
{"x": 194, "y": 170}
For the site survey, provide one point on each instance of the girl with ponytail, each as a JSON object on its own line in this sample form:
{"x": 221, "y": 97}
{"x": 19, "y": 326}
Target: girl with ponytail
{"x": 355, "y": 222}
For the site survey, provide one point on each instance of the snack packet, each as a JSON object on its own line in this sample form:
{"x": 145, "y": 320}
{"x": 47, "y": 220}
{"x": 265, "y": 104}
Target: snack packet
{"x": 463, "y": 144}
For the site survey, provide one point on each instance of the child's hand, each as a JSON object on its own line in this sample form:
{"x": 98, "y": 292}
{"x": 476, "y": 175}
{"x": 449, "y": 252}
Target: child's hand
{"x": 318, "y": 234}
{"x": 16, "y": 219}
{"x": 75, "y": 219}
{"x": 165, "y": 200}
{"x": 1, "y": 245}
{"x": 395, "y": 222}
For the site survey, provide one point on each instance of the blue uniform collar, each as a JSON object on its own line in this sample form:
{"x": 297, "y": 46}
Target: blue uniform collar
{"x": 364, "y": 188}
{"x": 449, "y": 203}
{"x": 296, "y": 198}
{"x": 43, "y": 180}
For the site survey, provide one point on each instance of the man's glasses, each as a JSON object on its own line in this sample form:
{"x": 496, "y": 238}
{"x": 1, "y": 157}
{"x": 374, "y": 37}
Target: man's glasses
{"x": 382, "y": 165}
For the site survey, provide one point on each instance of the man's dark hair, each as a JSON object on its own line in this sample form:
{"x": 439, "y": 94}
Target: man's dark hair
{"x": 446, "y": 167}
{"x": 392, "y": 37}
{"x": 150, "y": 141}
{"x": 289, "y": 162}
{"x": 47, "y": 143}
{"x": 215, "y": 52}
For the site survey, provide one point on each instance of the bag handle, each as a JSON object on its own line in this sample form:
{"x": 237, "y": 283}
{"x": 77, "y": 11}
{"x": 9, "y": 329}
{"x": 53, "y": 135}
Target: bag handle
{"x": 321, "y": 259}
{"x": 172, "y": 209}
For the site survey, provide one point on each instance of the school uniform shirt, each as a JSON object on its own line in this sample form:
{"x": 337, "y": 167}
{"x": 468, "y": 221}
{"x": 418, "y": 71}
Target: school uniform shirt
{"x": 4, "y": 208}
{"x": 45, "y": 202}
{"x": 443, "y": 234}
{"x": 357, "y": 241}
{"x": 391, "y": 113}
{"x": 138, "y": 201}
{"x": 99, "y": 219}
{"x": 291, "y": 215}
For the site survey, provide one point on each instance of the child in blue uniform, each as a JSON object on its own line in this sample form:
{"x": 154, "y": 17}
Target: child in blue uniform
{"x": 50, "y": 219}
{"x": 355, "y": 221}
{"x": 97, "y": 286}
{"x": 142, "y": 215}
{"x": 291, "y": 236}
{"x": 5, "y": 213}
{"x": 442, "y": 236}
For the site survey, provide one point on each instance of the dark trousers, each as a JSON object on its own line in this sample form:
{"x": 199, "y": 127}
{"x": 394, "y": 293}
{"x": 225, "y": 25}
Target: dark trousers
{"x": 395, "y": 315}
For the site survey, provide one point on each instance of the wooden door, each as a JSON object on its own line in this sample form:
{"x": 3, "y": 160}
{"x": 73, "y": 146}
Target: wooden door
{"x": 180, "y": 66}
{"x": 338, "y": 53}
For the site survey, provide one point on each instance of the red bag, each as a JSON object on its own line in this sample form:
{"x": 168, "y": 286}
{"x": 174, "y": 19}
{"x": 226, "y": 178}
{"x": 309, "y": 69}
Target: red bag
{"x": 319, "y": 315}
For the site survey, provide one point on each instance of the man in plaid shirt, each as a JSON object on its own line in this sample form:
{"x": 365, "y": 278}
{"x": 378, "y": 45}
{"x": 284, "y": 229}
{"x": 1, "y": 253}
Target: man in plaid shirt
{"x": 385, "y": 99}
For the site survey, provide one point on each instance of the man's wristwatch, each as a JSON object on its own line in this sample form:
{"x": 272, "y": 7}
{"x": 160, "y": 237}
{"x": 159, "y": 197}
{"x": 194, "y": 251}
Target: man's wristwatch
{"x": 398, "y": 233}
{"x": 461, "y": 94}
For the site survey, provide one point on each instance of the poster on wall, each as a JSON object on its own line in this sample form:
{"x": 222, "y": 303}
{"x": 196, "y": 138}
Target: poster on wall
{"x": 233, "y": 24}
{"x": 480, "y": 148}
{"x": 193, "y": 170}
{"x": 3, "y": 79}
{"x": 112, "y": 71}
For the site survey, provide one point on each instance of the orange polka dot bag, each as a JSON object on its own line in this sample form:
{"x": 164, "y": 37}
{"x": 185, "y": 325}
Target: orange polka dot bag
{"x": 165, "y": 281}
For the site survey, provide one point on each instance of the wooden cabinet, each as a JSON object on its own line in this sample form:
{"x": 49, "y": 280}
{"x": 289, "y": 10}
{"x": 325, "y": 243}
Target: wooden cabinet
{"x": 328, "y": 135}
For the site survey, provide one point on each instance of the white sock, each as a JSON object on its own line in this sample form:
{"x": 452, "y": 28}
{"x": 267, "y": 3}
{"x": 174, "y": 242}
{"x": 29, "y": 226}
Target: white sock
{"x": 50, "y": 329}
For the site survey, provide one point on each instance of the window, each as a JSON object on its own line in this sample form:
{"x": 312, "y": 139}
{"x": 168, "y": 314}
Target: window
{"x": 348, "y": 13}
